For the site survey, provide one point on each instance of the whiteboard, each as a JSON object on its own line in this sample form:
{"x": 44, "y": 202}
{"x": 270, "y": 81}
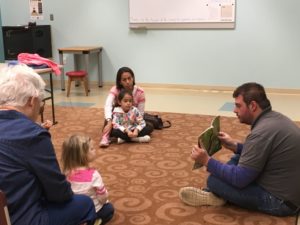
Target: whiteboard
{"x": 182, "y": 14}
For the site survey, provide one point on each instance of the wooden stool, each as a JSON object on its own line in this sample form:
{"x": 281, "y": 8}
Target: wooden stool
{"x": 79, "y": 75}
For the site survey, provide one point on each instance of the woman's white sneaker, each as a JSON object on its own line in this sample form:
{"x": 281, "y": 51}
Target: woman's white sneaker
{"x": 143, "y": 139}
{"x": 120, "y": 141}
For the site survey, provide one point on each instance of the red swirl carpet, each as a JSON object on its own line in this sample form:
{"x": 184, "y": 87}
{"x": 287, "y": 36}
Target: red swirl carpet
{"x": 143, "y": 179}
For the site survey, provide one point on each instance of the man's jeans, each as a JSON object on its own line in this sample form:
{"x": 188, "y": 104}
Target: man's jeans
{"x": 252, "y": 197}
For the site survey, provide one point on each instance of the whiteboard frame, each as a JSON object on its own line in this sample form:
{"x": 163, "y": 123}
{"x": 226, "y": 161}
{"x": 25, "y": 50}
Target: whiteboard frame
{"x": 202, "y": 25}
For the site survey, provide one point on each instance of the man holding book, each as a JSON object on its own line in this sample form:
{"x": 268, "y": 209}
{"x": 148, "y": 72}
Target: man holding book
{"x": 263, "y": 173}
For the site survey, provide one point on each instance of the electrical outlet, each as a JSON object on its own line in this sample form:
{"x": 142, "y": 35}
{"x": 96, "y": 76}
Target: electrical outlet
{"x": 51, "y": 17}
{"x": 65, "y": 59}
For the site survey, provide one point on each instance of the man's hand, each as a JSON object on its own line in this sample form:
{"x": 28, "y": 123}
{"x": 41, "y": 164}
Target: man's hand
{"x": 227, "y": 141}
{"x": 200, "y": 155}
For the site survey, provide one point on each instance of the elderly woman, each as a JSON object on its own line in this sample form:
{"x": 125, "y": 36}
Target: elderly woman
{"x": 36, "y": 190}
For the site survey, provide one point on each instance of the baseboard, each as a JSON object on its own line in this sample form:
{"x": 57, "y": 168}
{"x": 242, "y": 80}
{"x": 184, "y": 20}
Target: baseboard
{"x": 205, "y": 88}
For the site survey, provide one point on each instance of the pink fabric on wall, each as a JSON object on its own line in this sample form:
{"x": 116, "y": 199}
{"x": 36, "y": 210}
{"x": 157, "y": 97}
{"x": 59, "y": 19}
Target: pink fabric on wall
{"x": 35, "y": 59}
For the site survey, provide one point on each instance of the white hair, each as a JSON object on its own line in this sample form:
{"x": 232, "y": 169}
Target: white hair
{"x": 19, "y": 83}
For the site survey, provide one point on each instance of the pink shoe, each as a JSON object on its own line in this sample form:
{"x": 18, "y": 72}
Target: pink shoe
{"x": 104, "y": 142}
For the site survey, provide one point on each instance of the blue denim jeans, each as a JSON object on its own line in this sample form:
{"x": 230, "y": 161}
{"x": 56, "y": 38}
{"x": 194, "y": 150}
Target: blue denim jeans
{"x": 252, "y": 197}
{"x": 106, "y": 213}
{"x": 76, "y": 211}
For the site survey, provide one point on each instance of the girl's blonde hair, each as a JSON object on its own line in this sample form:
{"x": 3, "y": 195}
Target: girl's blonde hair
{"x": 75, "y": 152}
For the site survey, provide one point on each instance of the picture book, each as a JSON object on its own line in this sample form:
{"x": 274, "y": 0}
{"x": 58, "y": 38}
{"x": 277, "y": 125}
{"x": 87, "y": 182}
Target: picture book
{"x": 209, "y": 140}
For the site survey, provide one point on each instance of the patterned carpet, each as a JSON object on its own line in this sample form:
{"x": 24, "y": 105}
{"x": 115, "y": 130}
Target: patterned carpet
{"x": 143, "y": 179}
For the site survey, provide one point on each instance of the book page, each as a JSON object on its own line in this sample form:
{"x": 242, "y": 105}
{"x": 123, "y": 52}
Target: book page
{"x": 209, "y": 140}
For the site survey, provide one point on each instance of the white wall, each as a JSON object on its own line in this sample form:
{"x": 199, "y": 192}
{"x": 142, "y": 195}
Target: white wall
{"x": 1, "y": 43}
{"x": 264, "y": 47}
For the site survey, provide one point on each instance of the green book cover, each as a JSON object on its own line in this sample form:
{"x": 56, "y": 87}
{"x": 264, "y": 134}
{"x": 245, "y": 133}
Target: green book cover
{"x": 209, "y": 140}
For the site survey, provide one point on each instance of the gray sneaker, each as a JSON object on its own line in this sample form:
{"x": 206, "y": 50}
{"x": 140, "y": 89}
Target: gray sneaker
{"x": 198, "y": 197}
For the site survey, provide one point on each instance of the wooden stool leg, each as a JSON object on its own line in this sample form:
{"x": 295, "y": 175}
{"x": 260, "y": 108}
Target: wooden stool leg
{"x": 85, "y": 83}
{"x": 69, "y": 86}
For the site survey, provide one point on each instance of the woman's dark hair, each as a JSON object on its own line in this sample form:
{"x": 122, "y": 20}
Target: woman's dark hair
{"x": 119, "y": 76}
{"x": 122, "y": 93}
{"x": 253, "y": 92}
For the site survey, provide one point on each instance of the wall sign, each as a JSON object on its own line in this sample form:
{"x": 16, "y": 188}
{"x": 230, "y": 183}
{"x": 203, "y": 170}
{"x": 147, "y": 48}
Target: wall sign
{"x": 36, "y": 9}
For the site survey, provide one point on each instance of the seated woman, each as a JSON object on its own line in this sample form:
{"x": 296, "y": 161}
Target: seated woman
{"x": 128, "y": 123}
{"x": 125, "y": 80}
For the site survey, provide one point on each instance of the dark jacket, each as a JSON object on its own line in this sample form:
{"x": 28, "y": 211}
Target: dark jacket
{"x": 29, "y": 171}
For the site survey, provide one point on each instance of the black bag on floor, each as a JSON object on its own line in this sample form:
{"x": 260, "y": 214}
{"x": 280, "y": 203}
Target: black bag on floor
{"x": 156, "y": 121}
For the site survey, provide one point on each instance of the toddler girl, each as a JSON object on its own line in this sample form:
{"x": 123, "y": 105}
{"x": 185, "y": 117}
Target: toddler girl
{"x": 78, "y": 152}
{"x": 128, "y": 123}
